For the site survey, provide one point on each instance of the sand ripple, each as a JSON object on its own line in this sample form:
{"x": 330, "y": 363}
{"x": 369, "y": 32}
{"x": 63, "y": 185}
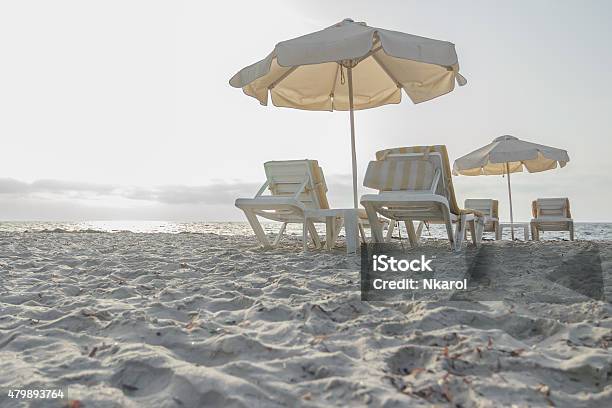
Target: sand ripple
{"x": 193, "y": 320}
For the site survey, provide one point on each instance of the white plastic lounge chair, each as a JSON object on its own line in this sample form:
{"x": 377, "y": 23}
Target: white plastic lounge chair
{"x": 551, "y": 214}
{"x": 296, "y": 186}
{"x": 490, "y": 210}
{"x": 415, "y": 184}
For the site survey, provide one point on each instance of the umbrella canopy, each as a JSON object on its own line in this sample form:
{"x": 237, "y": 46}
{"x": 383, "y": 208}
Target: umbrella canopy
{"x": 509, "y": 151}
{"x": 508, "y": 154}
{"x": 351, "y": 66}
{"x": 309, "y": 72}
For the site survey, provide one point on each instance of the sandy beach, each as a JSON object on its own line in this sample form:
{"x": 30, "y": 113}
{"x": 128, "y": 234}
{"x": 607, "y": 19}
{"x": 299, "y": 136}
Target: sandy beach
{"x": 196, "y": 198}
{"x": 185, "y": 320}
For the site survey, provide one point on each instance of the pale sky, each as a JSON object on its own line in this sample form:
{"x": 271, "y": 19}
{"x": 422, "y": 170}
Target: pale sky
{"x": 122, "y": 109}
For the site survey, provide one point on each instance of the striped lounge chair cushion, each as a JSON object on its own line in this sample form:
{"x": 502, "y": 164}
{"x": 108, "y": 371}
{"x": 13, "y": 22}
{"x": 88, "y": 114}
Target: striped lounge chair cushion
{"x": 399, "y": 175}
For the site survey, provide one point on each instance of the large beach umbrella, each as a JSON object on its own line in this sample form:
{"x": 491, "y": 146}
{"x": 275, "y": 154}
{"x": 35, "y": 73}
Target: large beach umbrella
{"x": 351, "y": 66}
{"x": 508, "y": 154}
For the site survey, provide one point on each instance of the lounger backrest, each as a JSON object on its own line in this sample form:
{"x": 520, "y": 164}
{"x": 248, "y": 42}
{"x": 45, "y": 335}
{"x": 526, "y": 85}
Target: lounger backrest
{"x": 446, "y": 180}
{"x": 402, "y": 173}
{"x": 290, "y": 177}
{"x": 551, "y": 207}
{"x": 485, "y": 206}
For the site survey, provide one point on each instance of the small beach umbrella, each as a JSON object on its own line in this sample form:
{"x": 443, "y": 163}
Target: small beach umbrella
{"x": 508, "y": 154}
{"x": 351, "y": 66}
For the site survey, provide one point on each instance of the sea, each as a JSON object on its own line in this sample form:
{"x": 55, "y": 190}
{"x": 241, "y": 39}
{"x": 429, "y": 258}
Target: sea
{"x": 583, "y": 231}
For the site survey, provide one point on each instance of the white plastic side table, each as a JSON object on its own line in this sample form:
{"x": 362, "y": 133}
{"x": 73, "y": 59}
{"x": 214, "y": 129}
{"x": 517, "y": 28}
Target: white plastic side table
{"x": 351, "y": 226}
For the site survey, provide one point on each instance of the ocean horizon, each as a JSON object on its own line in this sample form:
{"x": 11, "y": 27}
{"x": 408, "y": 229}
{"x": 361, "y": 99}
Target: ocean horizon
{"x": 587, "y": 231}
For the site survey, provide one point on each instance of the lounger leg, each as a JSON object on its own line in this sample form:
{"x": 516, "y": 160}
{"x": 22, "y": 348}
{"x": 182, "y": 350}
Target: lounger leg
{"x": 472, "y": 229}
{"x": 414, "y": 241}
{"x": 314, "y": 235}
{"x": 476, "y": 227}
{"x": 375, "y": 225}
{"x": 385, "y": 227}
{"x": 419, "y": 230}
{"x": 304, "y": 236}
{"x": 338, "y": 224}
{"x": 329, "y": 233}
{"x": 535, "y": 234}
{"x": 362, "y": 233}
{"x": 280, "y": 234}
{"x": 459, "y": 232}
{"x": 390, "y": 230}
{"x": 571, "y": 230}
{"x": 449, "y": 231}
{"x": 497, "y": 231}
{"x": 256, "y": 226}
{"x": 480, "y": 225}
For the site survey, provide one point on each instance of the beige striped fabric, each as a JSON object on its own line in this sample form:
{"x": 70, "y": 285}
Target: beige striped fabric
{"x": 382, "y": 154}
{"x": 410, "y": 174}
{"x": 295, "y": 171}
{"x": 319, "y": 183}
{"x": 486, "y": 206}
{"x": 446, "y": 169}
{"x": 495, "y": 209}
{"x": 557, "y": 207}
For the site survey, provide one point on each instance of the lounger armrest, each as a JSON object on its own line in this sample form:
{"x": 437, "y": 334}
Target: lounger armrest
{"x": 271, "y": 202}
{"x": 401, "y": 197}
{"x": 476, "y": 213}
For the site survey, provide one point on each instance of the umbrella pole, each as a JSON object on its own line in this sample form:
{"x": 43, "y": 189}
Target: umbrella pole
{"x": 510, "y": 198}
{"x": 350, "y": 86}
